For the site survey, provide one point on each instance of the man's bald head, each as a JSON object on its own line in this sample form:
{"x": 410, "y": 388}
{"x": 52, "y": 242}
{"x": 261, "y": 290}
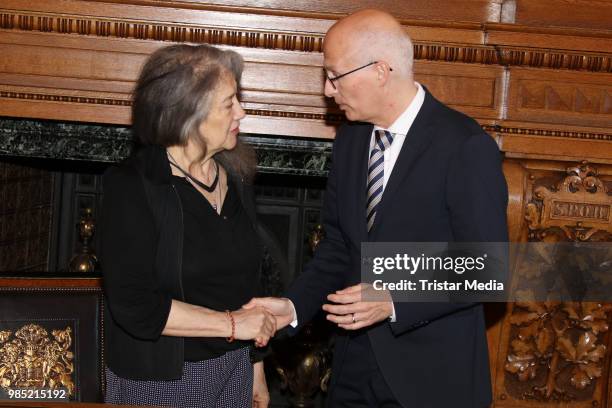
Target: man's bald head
{"x": 371, "y": 35}
{"x": 368, "y": 59}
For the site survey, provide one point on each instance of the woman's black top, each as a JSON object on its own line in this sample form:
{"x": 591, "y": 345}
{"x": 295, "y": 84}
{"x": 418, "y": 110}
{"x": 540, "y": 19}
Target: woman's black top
{"x": 143, "y": 226}
{"x": 221, "y": 259}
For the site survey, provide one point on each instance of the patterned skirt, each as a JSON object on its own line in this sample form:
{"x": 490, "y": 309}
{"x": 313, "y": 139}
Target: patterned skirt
{"x": 225, "y": 381}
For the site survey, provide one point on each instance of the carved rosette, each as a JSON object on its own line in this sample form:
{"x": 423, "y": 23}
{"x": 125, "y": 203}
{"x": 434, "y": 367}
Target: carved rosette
{"x": 30, "y": 357}
{"x": 557, "y": 350}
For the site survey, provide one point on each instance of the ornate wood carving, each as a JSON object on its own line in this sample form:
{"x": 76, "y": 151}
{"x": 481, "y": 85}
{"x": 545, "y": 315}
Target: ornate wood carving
{"x": 528, "y": 130}
{"x": 555, "y": 59}
{"x": 147, "y": 30}
{"x": 77, "y": 61}
{"x": 477, "y": 10}
{"x": 557, "y": 352}
{"x": 554, "y": 352}
{"x": 491, "y": 53}
{"x": 578, "y": 208}
{"x": 64, "y": 98}
{"x": 577, "y": 100}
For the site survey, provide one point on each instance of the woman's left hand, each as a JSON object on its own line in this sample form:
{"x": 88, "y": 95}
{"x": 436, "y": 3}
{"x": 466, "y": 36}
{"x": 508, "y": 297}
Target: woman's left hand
{"x": 261, "y": 396}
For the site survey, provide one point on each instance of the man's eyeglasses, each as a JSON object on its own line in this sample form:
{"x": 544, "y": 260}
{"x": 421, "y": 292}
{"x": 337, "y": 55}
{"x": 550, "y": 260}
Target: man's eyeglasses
{"x": 337, "y": 77}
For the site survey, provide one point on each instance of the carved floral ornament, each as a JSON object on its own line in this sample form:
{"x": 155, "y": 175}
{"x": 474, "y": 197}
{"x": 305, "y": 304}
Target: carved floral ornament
{"x": 557, "y": 350}
{"x": 29, "y": 357}
{"x": 578, "y": 208}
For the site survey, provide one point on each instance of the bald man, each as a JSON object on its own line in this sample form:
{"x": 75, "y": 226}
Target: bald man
{"x": 406, "y": 168}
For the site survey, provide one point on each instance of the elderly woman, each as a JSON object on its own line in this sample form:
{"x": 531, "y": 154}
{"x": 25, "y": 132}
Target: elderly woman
{"x": 180, "y": 253}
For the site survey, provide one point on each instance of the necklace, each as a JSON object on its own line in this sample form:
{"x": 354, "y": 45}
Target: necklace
{"x": 197, "y": 182}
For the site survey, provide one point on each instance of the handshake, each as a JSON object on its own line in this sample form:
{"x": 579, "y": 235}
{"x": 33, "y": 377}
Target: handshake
{"x": 260, "y": 318}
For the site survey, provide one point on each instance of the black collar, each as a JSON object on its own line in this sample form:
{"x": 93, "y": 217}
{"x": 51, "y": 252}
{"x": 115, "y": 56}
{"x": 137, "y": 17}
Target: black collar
{"x": 152, "y": 162}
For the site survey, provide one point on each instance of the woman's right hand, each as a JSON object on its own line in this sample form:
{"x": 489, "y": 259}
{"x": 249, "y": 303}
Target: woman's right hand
{"x": 254, "y": 324}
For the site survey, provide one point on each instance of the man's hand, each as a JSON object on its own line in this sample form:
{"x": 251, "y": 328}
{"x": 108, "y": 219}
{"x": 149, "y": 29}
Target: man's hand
{"x": 255, "y": 323}
{"x": 261, "y": 396}
{"x": 352, "y": 312}
{"x": 281, "y": 308}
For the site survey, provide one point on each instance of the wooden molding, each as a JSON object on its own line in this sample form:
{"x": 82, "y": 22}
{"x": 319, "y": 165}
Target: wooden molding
{"x": 64, "y": 98}
{"x": 428, "y": 44}
{"x": 40, "y": 283}
{"x": 530, "y": 131}
{"x": 78, "y": 60}
{"x": 330, "y": 119}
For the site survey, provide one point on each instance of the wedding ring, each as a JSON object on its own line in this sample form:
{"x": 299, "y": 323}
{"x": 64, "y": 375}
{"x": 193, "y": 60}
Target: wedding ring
{"x": 354, "y": 318}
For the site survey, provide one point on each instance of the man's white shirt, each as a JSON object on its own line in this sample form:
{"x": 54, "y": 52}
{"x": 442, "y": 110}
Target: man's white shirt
{"x": 399, "y": 129}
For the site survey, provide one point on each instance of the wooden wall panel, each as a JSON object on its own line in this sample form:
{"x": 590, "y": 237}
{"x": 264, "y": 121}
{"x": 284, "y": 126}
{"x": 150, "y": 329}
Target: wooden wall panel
{"x": 550, "y": 41}
{"x": 71, "y": 63}
{"x": 473, "y": 89}
{"x": 563, "y": 13}
{"x": 567, "y": 98}
{"x": 150, "y": 22}
{"x": 77, "y": 60}
{"x": 452, "y": 10}
{"x": 545, "y": 379}
{"x": 550, "y": 147}
{"x": 85, "y": 79}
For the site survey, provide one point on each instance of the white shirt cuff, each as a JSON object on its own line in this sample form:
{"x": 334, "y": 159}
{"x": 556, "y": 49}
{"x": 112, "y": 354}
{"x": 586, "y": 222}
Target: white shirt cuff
{"x": 294, "y": 323}
{"x": 392, "y": 318}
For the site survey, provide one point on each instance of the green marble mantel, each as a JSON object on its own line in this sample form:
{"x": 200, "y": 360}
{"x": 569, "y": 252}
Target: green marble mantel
{"x": 107, "y": 144}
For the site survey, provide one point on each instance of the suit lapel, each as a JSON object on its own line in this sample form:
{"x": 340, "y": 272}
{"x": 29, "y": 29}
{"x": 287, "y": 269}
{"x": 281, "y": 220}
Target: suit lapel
{"x": 417, "y": 140}
{"x": 361, "y": 146}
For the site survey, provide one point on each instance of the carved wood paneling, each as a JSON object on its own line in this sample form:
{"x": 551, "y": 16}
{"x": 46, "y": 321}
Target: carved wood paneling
{"x": 492, "y": 43}
{"x": 481, "y": 87}
{"x": 471, "y": 10}
{"x": 554, "y": 148}
{"x": 576, "y": 13}
{"x": 77, "y": 60}
{"x": 157, "y": 31}
{"x": 546, "y": 39}
{"x": 555, "y": 353}
{"x": 299, "y": 104}
{"x": 516, "y": 178}
{"x": 576, "y": 208}
{"x": 560, "y": 97}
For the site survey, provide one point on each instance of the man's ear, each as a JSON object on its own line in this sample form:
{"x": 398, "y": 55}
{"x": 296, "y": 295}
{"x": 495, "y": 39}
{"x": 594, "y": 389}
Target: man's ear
{"x": 382, "y": 73}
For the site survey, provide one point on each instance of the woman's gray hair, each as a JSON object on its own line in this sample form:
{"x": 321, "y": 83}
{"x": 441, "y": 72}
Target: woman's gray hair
{"x": 174, "y": 92}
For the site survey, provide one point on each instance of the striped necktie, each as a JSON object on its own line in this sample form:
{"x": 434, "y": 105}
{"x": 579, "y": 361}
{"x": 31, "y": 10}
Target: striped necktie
{"x": 376, "y": 170}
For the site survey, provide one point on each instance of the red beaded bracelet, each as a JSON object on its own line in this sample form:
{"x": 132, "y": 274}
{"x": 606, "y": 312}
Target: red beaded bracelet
{"x": 233, "y": 322}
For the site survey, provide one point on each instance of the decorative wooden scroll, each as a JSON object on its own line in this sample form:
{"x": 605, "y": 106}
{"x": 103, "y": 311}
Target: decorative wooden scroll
{"x": 558, "y": 352}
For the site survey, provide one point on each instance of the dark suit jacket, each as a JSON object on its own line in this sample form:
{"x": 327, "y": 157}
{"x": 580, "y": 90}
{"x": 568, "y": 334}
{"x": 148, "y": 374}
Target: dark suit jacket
{"x": 447, "y": 185}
